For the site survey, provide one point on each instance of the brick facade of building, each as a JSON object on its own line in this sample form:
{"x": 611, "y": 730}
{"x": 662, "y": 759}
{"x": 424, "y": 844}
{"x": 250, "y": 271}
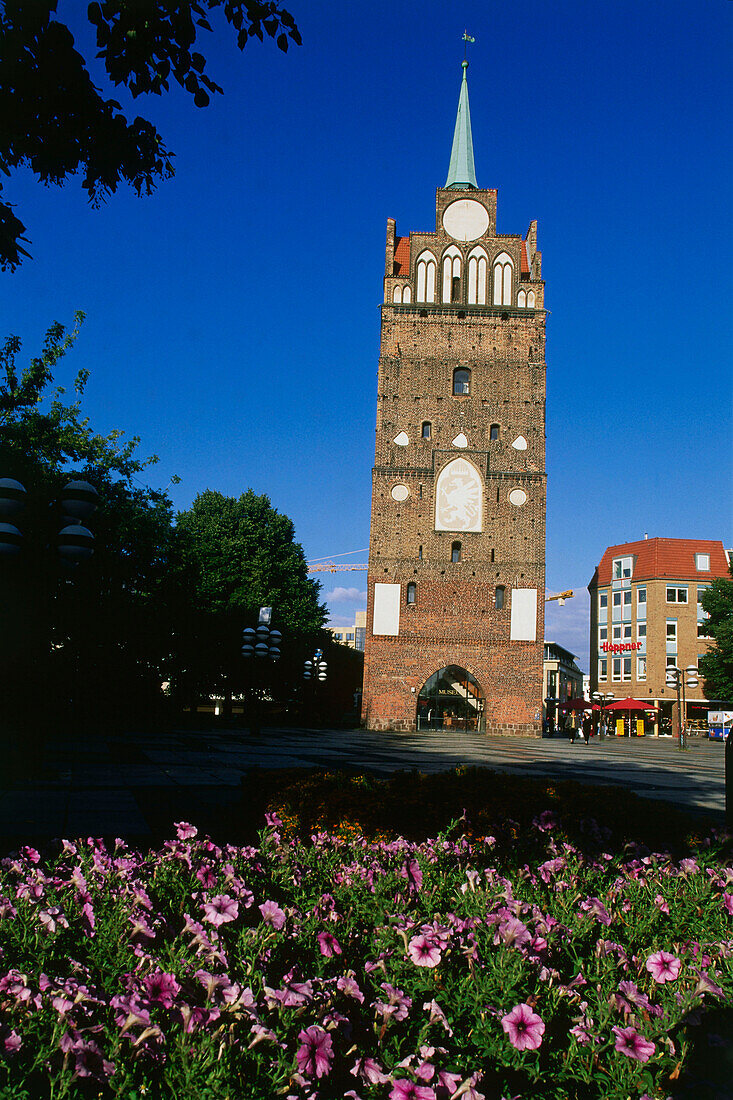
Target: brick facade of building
{"x": 467, "y": 551}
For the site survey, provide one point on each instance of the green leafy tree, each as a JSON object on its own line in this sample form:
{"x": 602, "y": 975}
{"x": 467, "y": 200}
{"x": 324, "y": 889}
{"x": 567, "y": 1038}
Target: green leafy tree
{"x": 717, "y": 665}
{"x": 239, "y": 554}
{"x": 92, "y": 639}
{"x": 56, "y": 121}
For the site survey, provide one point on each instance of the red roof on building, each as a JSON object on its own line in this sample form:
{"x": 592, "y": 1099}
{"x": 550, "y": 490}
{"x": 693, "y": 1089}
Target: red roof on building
{"x": 674, "y": 558}
{"x": 402, "y": 256}
{"x": 525, "y": 261}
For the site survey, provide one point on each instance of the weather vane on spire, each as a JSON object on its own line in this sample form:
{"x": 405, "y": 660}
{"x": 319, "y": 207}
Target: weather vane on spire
{"x": 466, "y": 39}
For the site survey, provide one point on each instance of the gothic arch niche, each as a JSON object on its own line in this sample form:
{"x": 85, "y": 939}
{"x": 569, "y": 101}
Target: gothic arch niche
{"x": 459, "y": 497}
{"x": 451, "y": 274}
{"x": 478, "y": 266}
{"x": 426, "y": 271}
{"x": 503, "y": 271}
{"x": 450, "y": 699}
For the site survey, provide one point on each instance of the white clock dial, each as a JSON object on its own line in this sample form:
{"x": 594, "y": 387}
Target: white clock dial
{"x": 465, "y": 220}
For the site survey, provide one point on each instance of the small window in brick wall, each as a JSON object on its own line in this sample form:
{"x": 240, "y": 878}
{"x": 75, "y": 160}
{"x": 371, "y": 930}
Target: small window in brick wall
{"x": 455, "y": 551}
{"x": 427, "y": 429}
{"x": 461, "y": 382}
{"x": 499, "y": 597}
{"x": 411, "y": 589}
{"x": 494, "y": 433}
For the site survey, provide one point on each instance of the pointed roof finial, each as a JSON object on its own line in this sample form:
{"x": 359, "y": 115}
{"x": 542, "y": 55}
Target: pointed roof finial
{"x": 461, "y": 173}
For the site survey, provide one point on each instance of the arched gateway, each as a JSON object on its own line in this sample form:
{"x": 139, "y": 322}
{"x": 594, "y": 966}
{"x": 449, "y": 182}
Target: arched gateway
{"x": 450, "y": 699}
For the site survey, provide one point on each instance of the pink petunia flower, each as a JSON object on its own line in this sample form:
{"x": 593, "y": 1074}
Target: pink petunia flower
{"x": 328, "y": 944}
{"x": 161, "y": 988}
{"x": 220, "y": 910}
{"x": 348, "y": 985}
{"x": 728, "y": 903}
{"x": 661, "y": 904}
{"x": 316, "y": 1053}
{"x": 424, "y": 952}
{"x": 632, "y": 1044}
{"x": 272, "y": 914}
{"x": 524, "y": 1027}
{"x": 663, "y": 967}
{"x": 403, "y": 1089}
{"x": 185, "y": 831}
{"x": 412, "y": 872}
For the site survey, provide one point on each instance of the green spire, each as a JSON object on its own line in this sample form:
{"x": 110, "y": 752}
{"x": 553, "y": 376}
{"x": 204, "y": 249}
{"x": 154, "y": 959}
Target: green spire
{"x": 461, "y": 173}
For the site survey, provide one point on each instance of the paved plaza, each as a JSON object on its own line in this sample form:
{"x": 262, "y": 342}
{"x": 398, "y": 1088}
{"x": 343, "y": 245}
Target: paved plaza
{"x": 126, "y": 784}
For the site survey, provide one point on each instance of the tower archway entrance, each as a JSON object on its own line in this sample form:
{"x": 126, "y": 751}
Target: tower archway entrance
{"x": 451, "y": 699}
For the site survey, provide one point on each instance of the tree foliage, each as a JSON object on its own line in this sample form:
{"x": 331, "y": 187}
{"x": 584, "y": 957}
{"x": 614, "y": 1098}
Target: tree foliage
{"x": 103, "y": 623}
{"x": 56, "y": 121}
{"x": 717, "y": 665}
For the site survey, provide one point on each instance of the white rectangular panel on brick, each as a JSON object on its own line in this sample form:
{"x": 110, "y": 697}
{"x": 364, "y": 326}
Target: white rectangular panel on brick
{"x": 524, "y": 615}
{"x": 386, "y": 609}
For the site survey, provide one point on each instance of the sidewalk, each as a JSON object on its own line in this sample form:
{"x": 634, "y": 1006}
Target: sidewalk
{"x": 136, "y": 785}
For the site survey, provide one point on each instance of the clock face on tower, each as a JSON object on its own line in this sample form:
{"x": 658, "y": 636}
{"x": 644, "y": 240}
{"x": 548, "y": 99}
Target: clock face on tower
{"x": 465, "y": 220}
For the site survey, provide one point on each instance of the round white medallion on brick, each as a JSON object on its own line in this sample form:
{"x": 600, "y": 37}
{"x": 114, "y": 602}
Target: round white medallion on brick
{"x": 400, "y": 492}
{"x": 518, "y": 497}
{"x": 520, "y": 443}
{"x": 465, "y": 220}
{"x": 460, "y": 441}
{"x": 402, "y": 439}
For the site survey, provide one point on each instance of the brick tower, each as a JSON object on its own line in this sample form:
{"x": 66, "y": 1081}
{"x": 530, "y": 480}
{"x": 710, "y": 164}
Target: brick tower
{"x": 455, "y": 611}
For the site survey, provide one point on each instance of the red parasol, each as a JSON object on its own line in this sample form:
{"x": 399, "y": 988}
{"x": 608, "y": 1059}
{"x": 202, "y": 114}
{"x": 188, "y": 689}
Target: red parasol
{"x": 630, "y": 704}
{"x": 576, "y": 704}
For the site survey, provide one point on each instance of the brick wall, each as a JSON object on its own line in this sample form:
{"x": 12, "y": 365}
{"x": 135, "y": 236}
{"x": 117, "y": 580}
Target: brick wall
{"x": 453, "y": 619}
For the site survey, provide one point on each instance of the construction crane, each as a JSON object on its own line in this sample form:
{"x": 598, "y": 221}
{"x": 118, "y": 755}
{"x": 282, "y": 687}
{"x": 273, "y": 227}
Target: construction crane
{"x": 561, "y": 597}
{"x": 326, "y": 565}
{"x": 331, "y": 567}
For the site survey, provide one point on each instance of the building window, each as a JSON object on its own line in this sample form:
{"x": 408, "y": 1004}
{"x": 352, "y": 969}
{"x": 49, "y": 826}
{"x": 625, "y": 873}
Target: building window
{"x": 499, "y": 597}
{"x": 494, "y": 433}
{"x": 461, "y": 382}
{"x": 627, "y": 631}
{"x": 617, "y": 633}
{"x": 427, "y": 429}
{"x": 627, "y": 669}
{"x": 641, "y": 595}
{"x": 702, "y": 563}
{"x": 455, "y": 551}
{"x": 671, "y": 661}
{"x": 617, "y": 599}
{"x": 676, "y": 595}
{"x": 603, "y": 669}
{"x": 641, "y": 630}
{"x": 503, "y": 280}
{"x": 641, "y": 668}
{"x": 426, "y": 270}
{"x": 671, "y": 630}
{"x": 621, "y": 568}
{"x": 603, "y": 599}
{"x": 602, "y": 634}
{"x": 349, "y": 637}
{"x": 616, "y": 669}
{"x": 411, "y": 588}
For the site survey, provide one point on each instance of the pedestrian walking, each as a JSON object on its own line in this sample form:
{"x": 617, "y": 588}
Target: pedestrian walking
{"x": 587, "y": 723}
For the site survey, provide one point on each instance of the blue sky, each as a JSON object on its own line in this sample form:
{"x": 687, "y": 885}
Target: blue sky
{"x": 233, "y": 316}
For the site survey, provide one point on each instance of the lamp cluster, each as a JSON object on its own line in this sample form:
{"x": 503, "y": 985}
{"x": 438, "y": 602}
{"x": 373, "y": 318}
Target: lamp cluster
{"x": 678, "y": 679}
{"x": 262, "y": 642}
{"x": 316, "y": 668}
{"x": 74, "y": 541}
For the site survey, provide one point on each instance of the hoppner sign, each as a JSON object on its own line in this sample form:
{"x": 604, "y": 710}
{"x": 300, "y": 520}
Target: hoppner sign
{"x": 621, "y": 647}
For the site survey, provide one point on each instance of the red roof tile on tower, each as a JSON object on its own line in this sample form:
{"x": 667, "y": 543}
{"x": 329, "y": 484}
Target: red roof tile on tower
{"x": 402, "y": 256}
{"x": 673, "y": 558}
{"x": 525, "y": 261}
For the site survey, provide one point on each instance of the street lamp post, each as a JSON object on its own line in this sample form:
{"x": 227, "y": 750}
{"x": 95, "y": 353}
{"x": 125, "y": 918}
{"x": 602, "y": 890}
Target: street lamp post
{"x": 602, "y": 701}
{"x": 678, "y": 679}
{"x": 315, "y": 669}
{"x": 264, "y": 644}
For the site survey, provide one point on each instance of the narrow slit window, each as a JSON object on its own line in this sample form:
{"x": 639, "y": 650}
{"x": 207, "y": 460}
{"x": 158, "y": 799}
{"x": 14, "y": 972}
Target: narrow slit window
{"x": 499, "y": 597}
{"x": 427, "y": 429}
{"x": 494, "y": 432}
{"x": 455, "y": 551}
{"x": 411, "y": 589}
